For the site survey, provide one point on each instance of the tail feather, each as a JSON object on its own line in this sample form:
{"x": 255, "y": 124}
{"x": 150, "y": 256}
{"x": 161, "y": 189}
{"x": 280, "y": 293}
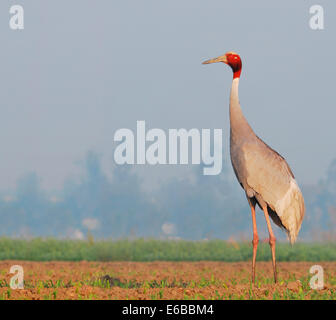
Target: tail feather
{"x": 291, "y": 211}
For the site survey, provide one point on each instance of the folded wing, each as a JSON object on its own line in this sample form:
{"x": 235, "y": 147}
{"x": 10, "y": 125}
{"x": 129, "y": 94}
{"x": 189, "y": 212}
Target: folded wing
{"x": 269, "y": 175}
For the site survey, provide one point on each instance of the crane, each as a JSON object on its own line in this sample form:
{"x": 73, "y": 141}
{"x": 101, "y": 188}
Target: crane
{"x": 262, "y": 172}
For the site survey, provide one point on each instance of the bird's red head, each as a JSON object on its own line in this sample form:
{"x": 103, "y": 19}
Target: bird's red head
{"x": 230, "y": 58}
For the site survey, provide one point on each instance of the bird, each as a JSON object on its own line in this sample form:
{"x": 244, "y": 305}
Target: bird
{"x": 263, "y": 173}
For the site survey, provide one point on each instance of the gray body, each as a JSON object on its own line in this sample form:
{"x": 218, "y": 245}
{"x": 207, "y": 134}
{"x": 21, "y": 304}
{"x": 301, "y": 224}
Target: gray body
{"x": 263, "y": 173}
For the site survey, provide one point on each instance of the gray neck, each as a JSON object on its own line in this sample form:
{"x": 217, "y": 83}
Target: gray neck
{"x": 239, "y": 128}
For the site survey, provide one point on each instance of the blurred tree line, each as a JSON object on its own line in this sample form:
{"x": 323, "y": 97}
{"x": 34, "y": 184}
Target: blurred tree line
{"x": 205, "y": 207}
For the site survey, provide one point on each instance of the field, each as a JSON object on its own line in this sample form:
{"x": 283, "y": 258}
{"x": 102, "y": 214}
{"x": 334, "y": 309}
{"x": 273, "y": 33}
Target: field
{"x": 153, "y": 269}
{"x": 163, "y": 280}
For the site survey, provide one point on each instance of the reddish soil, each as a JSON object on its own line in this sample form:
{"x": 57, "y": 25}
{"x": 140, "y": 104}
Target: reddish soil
{"x": 182, "y": 280}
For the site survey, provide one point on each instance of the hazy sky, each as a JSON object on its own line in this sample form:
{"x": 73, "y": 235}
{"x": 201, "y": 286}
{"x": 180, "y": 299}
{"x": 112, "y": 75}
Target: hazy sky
{"x": 82, "y": 69}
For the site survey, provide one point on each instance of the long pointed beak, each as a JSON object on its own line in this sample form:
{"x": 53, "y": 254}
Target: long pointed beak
{"x": 218, "y": 59}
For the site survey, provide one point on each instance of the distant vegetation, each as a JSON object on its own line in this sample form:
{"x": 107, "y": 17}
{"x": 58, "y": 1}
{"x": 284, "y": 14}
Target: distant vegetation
{"x": 116, "y": 206}
{"x": 149, "y": 250}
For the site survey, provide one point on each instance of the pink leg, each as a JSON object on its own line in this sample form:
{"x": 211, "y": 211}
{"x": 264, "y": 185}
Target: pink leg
{"x": 254, "y": 241}
{"x": 271, "y": 242}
